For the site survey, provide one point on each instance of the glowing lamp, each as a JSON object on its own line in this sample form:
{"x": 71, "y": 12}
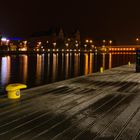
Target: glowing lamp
{"x": 3, "y": 39}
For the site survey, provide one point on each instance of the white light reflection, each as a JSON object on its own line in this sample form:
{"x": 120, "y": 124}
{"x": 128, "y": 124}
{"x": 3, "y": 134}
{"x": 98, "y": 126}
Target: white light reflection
{"x": 39, "y": 68}
{"x": 91, "y": 63}
{"x": 55, "y": 66}
{"x": 67, "y": 65}
{"x": 48, "y": 72}
{"x": 86, "y": 64}
{"x": 62, "y": 71}
{"x": 103, "y": 60}
{"x": 110, "y": 60}
{"x": 24, "y": 67}
{"x": 5, "y": 70}
{"x": 76, "y": 64}
{"x": 70, "y": 63}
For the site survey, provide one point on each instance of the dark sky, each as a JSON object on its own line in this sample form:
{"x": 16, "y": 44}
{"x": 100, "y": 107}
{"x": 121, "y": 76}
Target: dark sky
{"x": 116, "y": 19}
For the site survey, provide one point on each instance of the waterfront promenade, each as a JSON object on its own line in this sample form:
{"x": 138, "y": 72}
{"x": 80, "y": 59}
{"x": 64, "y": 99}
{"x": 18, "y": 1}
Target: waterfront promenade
{"x": 101, "y": 106}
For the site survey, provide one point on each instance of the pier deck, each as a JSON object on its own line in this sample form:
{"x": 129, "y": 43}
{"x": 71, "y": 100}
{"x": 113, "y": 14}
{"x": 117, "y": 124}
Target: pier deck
{"x": 100, "y": 106}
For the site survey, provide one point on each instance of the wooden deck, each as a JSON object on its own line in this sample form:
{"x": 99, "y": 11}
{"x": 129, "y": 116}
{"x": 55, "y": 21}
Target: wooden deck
{"x": 100, "y": 106}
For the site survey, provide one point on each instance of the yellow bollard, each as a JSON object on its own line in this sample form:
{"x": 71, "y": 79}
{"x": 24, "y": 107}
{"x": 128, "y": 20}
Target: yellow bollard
{"x": 101, "y": 69}
{"x": 14, "y": 90}
{"x": 129, "y": 63}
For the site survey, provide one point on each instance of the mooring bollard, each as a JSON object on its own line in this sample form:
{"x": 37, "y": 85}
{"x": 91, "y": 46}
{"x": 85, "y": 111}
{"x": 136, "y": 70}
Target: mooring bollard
{"x": 101, "y": 69}
{"x": 129, "y": 63}
{"x": 14, "y": 90}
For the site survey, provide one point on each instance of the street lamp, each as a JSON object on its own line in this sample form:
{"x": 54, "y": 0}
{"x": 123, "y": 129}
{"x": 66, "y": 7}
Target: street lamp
{"x": 110, "y": 42}
{"x": 91, "y": 41}
{"x": 137, "y": 41}
{"x": 54, "y": 44}
{"x": 104, "y": 42}
{"x": 7, "y": 42}
{"x": 76, "y": 45}
{"x": 85, "y": 45}
{"x": 25, "y": 43}
{"x": 3, "y": 39}
{"x": 92, "y": 46}
{"x": 67, "y": 44}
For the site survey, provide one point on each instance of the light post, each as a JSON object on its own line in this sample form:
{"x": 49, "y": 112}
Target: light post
{"x": 39, "y": 45}
{"x": 85, "y": 45}
{"x": 87, "y": 41}
{"x": 95, "y": 49}
{"x": 25, "y": 45}
{"x": 92, "y": 46}
{"x": 90, "y": 41}
{"x": 104, "y": 42}
{"x": 110, "y": 42}
{"x": 137, "y": 41}
{"x": 66, "y": 44}
{"x": 76, "y": 46}
{"x": 54, "y": 44}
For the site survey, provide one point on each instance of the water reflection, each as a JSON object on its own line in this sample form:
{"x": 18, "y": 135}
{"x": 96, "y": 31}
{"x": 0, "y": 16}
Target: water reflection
{"x": 54, "y": 67}
{"x": 67, "y": 66}
{"x": 42, "y": 69}
{"x": 96, "y": 62}
{"x": 62, "y": 64}
{"x": 5, "y": 70}
{"x": 23, "y": 67}
{"x": 71, "y": 65}
{"x": 103, "y": 60}
{"x": 76, "y": 63}
{"x": 91, "y": 63}
{"x": 86, "y": 64}
{"x": 110, "y": 60}
{"x": 39, "y": 68}
{"x": 48, "y": 66}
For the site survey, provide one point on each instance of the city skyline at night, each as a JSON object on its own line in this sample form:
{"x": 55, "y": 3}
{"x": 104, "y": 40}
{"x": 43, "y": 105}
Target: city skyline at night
{"x": 117, "y": 20}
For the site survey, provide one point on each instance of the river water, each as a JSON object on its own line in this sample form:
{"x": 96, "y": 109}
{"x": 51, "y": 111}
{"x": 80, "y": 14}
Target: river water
{"x": 39, "y": 69}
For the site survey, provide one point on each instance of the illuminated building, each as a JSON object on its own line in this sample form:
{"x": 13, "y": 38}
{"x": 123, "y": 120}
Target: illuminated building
{"x": 123, "y": 48}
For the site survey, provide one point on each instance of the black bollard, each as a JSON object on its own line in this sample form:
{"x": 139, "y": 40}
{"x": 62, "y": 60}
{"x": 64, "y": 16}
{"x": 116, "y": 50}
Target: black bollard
{"x": 138, "y": 60}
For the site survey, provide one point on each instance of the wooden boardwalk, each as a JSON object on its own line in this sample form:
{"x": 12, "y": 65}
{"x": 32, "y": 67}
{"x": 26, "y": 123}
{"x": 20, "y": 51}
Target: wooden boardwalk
{"x": 100, "y": 106}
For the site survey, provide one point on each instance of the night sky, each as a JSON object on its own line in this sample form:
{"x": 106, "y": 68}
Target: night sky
{"x": 114, "y": 19}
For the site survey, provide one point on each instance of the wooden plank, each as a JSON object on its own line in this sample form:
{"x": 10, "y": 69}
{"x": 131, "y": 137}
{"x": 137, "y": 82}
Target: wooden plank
{"x": 86, "y": 107}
